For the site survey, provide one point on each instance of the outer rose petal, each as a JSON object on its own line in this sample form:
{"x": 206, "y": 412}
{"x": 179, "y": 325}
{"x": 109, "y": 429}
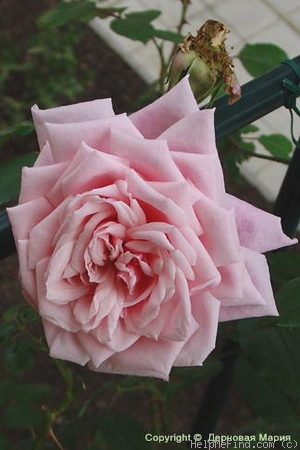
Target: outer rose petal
{"x": 194, "y": 133}
{"x": 37, "y": 181}
{"x": 155, "y": 118}
{"x": 79, "y": 112}
{"x": 64, "y": 139}
{"x": 205, "y": 310}
{"x": 65, "y": 345}
{"x": 257, "y": 229}
{"x": 144, "y": 358}
{"x": 258, "y": 270}
{"x": 24, "y": 217}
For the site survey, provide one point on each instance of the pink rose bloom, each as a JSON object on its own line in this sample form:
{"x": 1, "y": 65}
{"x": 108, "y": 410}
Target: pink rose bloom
{"x": 129, "y": 247}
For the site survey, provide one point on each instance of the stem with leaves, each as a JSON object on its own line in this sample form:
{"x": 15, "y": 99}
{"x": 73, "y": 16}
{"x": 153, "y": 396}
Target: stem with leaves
{"x": 257, "y": 155}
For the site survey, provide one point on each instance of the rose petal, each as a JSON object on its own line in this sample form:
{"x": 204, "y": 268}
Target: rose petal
{"x": 24, "y": 217}
{"x": 151, "y": 159}
{"x": 252, "y": 224}
{"x": 204, "y": 171}
{"x": 64, "y": 345}
{"x": 205, "y": 309}
{"x": 231, "y": 288}
{"x": 27, "y": 276}
{"x": 142, "y": 190}
{"x": 59, "y": 315}
{"x": 37, "y": 181}
{"x": 258, "y": 270}
{"x": 96, "y": 109}
{"x": 64, "y": 139}
{"x": 45, "y": 157}
{"x": 155, "y": 118}
{"x": 194, "y": 133}
{"x": 220, "y": 236}
{"x": 98, "y": 353}
{"x": 144, "y": 358}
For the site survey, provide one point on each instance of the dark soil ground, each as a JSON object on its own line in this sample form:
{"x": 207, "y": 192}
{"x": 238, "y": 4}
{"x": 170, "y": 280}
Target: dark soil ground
{"x": 112, "y": 78}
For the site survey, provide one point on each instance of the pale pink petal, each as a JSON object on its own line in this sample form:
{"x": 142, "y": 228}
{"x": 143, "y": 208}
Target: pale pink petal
{"x": 79, "y": 112}
{"x": 258, "y": 270}
{"x": 59, "y": 315}
{"x": 206, "y": 273}
{"x": 59, "y": 290}
{"x": 41, "y": 237}
{"x": 140, "y": 315}
{"x": 205, "y": 309}
{"x": 91, "y": 311}
{"x": 98, "y": 353}
{"x": 65, "y": 345}
{"x": 130, "y": 215}
{"x": 64, "y": 139}
{"x": 257, "y": 229}
{"x": 27, "y": 276}
{"x": 181, "y": 193}
{"x": 24, "y": 217}
{"x": 122, "y": 338}
{"x": 99, "y": 170}
{"x": 164, "y": 206}
{"x": 204, "y": 172}
{"x": 180, "y": 323}
{"x": 194, "y": 133}
{"x": 220, "y": 236}
{"x": 231, "y": 287}
{"x": 144, "y": 358}
{"x": 45, "y": 157}
{"x": 38, "y": 180}
{"x": 155, "y": 118}
{"x": 151, "y": 159}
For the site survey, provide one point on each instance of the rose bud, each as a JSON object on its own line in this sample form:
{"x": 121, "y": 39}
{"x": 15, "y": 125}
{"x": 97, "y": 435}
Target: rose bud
{"x": 204, "y": 57}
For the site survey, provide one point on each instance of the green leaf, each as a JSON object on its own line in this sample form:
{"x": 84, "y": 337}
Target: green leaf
{"x": 260, "y": 58}
{"x": 277, "y": 144}
{"x": 144, "y": 16}
{"x": 168, "y": 35}
{"x": 249, "y": 129}
{"x": 136, "y": 25}
{"x": 133, "y": 29}
{"x": 22, "y": 416}
{"x": 261, "y": 397}
{"x": 103, "y": 13}
{"x": 65, "y": 12}
{"x": 10, "y": 175}
{"x": 288, "y": 301}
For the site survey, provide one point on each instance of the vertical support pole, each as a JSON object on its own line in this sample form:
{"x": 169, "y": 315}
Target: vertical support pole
{"x": 287, "y": 204}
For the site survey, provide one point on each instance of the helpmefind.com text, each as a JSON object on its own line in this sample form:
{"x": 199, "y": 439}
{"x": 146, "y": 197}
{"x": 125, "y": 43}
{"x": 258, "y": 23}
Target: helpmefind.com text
{"x": 218, "y": 441}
